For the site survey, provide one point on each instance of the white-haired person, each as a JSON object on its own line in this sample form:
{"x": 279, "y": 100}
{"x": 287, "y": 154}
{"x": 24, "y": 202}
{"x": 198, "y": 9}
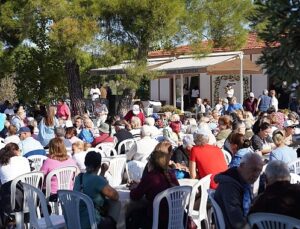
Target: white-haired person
{"x": 86, "y": 133}
{"x": 282, "y": 152}
{"x": 150, "y": 121}
{"x": 205, "y": 158}
{"x": 135, "y": 127}
{"x": 280, "y": 197}
{"x": 143, "y": 147}
{"x": 264, "y": 101}
{"x": 233, "y": 193}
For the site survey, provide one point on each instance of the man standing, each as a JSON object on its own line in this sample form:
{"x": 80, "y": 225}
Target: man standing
{"x": 95, "y": 93}
{"x": 250, "y": 103}
{"x": 264, "y": 101}
{"x": 234, "y": 194}
{"x": 280, "y": 196}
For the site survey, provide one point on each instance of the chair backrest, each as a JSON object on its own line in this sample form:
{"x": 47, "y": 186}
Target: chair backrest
{"x": 135, "y": 170}
{"x": 31, "y": 195}
{"x": 126, "y": 145}
{"x": 107, "y": 148}
{"x": 116, "y": 169}
{"x": 97, "y": 150}
{"x": 35, "y": 152}
{"x": 71, "y": 202}
{"x": 295, "y": 179}
{"x": 65, "y": 178}
{"x": 178, "y": 199}
{"x": 219, "y": 218}
{"x": 294, "y": 166}
{"x": 37, "y": 161}
{"x": 204, "y": 183}
{"x": 255, "y": 186}
{"x": 227, "y": 156}
{"x": 34, "y": 178}
{"x": 270, "y": 220}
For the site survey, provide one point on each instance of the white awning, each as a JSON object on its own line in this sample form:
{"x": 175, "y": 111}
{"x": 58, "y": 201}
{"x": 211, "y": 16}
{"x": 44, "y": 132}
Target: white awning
{"x": 192, "y": 62}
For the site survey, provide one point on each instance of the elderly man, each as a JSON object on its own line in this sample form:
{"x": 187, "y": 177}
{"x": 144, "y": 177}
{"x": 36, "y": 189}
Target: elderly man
{"x": 28, "y": 145}
{"x": 234, "y": 190}
{"x": 60, "y": 133}
{"x": 280, "y": 197}
{"x": 205, "y": 158}
{"x": 143, "y": 147}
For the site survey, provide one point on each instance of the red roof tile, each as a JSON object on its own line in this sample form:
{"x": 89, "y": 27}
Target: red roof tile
{"x": 252, "y": 43}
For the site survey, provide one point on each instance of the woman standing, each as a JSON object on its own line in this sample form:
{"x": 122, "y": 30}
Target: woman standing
{"x": 47, "y": 125}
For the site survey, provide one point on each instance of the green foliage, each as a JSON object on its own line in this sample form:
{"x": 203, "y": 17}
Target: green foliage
{"x": 277, "y": 23}
{"x": 170, "y": 108}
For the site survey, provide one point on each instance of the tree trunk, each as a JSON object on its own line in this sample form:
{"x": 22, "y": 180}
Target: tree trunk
{"x": 75, "y": 92}
{"x": 125, "y": 102}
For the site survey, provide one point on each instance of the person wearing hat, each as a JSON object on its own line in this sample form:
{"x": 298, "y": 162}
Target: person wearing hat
{"x": 289, "y": 127}
{"x": 98, "y": 189}
{"x": 264, "y": 102}
{"x": 250, "y": 103}
{"x": 136, "y": 111}
{"x": 28, "y": 145}
{"x": 104, "y": 135}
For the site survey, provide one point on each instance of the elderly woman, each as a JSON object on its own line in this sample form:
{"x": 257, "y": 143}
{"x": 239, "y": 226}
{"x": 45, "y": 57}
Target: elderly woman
{"x": 98, "y": 189}
{"x": 157, "y": 179}
{"x": 282, "y": 152}
{"x": 206, "y": 159}
{"x": 86, "y": 133}
{"x": 135, "y": 124}
{"x": 58, "y": 158}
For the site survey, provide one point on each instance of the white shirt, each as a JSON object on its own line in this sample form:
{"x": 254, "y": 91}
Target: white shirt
{"x": 142, "y": 149}
{"x": 79, "y": 158}
{"x": 230, "y": 92}
{"x": 274, "y": 103}
{"x": 29, "y": 144}
{"x": 13, "y": 139}
{"x": 95, "y": 93}
{"x": 16, "y": 166}
{"x": 195, "y": 93}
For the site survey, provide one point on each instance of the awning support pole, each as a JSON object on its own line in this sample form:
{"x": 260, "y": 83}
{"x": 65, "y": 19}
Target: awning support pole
{"x": 241, "y": 55}
{"x": 181, "y": 93}
{"x": 174, "y": 90}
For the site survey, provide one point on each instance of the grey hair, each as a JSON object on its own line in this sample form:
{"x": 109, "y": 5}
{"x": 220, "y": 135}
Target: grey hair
{"x": 250, "y": 157}
{"x": 59, "y": 132}
{"x": 145, "y": 131}
{"x": 191, "y": 129}
{"x": 201, "y": 139}
{"x": 149, "y": 121}
{"x": 277, "y": 171}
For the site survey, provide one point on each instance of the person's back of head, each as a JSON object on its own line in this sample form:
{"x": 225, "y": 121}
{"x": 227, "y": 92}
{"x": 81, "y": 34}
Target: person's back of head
{"x": 145, "y": 131}
{"x": 277, "y": 171}
{"x": 250, "y": 167}
{"x": 59, "y": 132}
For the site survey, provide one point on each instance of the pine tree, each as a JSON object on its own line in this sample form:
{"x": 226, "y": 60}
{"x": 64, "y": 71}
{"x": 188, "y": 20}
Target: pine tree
{"x": 278, "y": 24}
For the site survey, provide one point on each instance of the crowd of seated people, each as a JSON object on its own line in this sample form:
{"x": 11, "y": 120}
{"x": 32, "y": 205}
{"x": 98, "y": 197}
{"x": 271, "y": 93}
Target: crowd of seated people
{"x": 172, "y": 147}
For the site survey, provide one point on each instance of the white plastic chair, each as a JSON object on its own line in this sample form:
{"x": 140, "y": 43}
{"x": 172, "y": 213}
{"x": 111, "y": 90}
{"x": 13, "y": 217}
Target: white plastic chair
{"x": 37, "y": 161}
{"x": 116, "y": 170}
{"x": 219, "y": 218}
{"x": 178, "y": 199}
{"x": 135, "y": 170}
{"x": 35, "y": 179}
{"x": 127, "y": 144}
{"x": 227, "y": 156}
{"x": 97, "y": 150}
{"x": 295, "y": 179}
{"x": 201, "y": 214}
{"x": 270, "y": 220}
{"x": 48, "y": 221}
{"x": 65, "y": 180}
{"x": 294, "y": 166}
{"x": 70, "y": 202}
{"x": 107, "y": 148}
